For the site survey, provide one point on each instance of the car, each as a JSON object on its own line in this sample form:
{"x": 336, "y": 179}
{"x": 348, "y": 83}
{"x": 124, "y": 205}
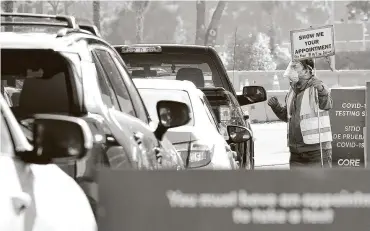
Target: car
{"x": 201, "y": 141}
{"x": 35, "y": 193}
{"x": 203, "y": 66}
{"x": 74, "y": 72}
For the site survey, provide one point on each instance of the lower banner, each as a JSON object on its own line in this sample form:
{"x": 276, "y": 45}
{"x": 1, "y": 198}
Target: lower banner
{"x": 347, "y": 124}
{"x": 276, "y": 200}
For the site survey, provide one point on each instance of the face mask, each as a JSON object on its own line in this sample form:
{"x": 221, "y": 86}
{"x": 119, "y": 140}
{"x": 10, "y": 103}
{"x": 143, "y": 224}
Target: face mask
{"x": 291, "y": 73}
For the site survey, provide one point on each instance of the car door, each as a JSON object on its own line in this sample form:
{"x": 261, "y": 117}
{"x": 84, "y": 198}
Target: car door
{"x": 139, "y": 130}
{"x": 170, "y": 158}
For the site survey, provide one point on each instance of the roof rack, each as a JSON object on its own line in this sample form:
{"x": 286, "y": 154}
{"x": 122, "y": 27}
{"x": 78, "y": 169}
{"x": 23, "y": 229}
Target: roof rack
{"x": 91, "y": 28}
{"x": 70, "y": 20}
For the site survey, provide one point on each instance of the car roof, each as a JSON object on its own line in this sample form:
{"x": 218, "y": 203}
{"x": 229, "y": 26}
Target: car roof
{"x": 174, "y": 48}
{"x": 39, "y": 40}
{"x": 165, "y": 84}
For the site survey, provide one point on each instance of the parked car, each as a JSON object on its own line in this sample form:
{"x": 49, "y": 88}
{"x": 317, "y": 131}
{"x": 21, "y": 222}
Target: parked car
{"x": 200, "y": 141}
{"x": 203, "y": 66}
{"x": 74, "y": 72}
{"x": 36, "y": 194}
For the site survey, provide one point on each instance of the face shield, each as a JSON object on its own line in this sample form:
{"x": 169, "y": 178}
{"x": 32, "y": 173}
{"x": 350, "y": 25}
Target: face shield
{"x": 291, "y": 72}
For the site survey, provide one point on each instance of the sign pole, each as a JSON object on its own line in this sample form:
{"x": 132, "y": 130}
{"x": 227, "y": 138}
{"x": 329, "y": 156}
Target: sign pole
{"x": 367, "y": 126}
{"x": 318, "y": 114}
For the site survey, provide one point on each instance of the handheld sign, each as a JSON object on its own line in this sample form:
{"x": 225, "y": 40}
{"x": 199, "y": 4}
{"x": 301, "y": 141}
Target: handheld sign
{"x": 312, "y": 43}
{"x": 305, "y": 200}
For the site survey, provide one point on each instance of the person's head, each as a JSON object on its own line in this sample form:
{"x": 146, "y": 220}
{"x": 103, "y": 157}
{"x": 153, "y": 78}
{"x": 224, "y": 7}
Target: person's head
{"x": 304, "y": 68}
{"x": 299, "y": 70}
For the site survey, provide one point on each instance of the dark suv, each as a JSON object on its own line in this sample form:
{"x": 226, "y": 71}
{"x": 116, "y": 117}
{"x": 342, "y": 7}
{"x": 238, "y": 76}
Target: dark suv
{"x": 203, "y": 66}
{"x": 74, "y": 72}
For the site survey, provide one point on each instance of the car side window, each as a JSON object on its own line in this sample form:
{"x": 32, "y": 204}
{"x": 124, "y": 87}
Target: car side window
{"x": 7, "y": 147}
{"x": 105, "y": 88}
{"x": 140, "y": 109}
{"x": 115, "y": 78}
{"x": 208, "y": 109}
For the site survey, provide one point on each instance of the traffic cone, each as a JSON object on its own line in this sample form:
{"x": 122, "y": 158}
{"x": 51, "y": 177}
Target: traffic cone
{"x": 275, "y": 83}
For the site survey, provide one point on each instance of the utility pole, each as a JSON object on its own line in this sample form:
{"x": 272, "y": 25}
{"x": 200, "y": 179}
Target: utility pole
{"x": 332, "y": 19}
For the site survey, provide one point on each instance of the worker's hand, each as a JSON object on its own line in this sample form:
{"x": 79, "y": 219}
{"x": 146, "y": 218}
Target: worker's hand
{"x": 318, "y": 84}
{"x": 273, "y": 101}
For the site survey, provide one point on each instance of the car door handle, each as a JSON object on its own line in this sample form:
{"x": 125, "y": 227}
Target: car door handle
{"x": 111, "y": 140}
{"x": 158, "y": 154}
{"x": 138, "y": 137}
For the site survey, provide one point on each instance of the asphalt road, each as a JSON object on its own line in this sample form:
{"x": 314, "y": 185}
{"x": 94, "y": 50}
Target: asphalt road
{"x": 271, "y": 151}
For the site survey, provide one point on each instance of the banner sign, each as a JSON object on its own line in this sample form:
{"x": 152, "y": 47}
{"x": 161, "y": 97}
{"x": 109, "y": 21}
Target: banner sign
{"x": 312, "y": 42}
{"x": 268, "y": 200}
{"x": 347, "y": 119}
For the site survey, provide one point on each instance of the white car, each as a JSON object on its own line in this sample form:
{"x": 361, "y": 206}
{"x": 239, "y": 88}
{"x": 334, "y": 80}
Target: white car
{"x": 199, "y": 141}
{"x": 41, "y": 197}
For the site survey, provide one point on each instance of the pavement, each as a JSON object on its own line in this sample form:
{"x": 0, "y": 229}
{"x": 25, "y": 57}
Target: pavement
{"x": 271, "y": 151}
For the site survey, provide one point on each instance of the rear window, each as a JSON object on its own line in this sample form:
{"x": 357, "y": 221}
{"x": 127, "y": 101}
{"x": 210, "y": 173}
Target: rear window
{"x": 198, "y": 68}
{"x": 36, "y": 81}
{"x": 152, "y": 96}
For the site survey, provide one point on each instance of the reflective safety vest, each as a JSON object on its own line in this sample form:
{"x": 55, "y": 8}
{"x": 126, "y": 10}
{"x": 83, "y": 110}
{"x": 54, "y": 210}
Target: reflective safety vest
{"x": 309, "y": 119}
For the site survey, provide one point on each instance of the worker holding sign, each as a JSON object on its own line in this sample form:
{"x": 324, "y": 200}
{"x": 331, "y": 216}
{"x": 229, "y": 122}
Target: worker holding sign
{"x": 306, "y": 112}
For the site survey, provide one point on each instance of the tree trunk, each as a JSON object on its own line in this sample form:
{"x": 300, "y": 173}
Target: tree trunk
{"x": 54, "y": 5}
{"x": 67, "y": 4}
{"x": 40, "y": 7}
{"x": 96, "y": 14}
{"x": 140, "y": 8}
{"x": 272, "y": 35}
{"x": 211, "y": 35}
{"x": 8, "y": 8}
{"x": 139, "y": 26}
{"x": 201, "y": 26}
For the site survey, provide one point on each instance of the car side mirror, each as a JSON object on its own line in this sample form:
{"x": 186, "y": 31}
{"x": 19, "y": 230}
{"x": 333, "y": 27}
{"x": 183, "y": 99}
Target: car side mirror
{"x": 252, "y": 94}
{"x": 238, "y": 134}
{"x": 59, "y": 139}
{"x": 171, "y": 114}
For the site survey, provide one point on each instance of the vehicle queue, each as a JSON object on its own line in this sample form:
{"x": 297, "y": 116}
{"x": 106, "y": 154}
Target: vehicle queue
{"x": 69, "y": 98}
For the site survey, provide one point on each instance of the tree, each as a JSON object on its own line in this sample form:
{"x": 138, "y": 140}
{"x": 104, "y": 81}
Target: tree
{"x": 239, "y": 52}
{"x": 67, "y": 4}
{"x": 270, "y": 8}
{"x": 8, "y": 7}
{"x": 140, "y": 7}
{"x": 201, "y": 24}
{"x": 358, "y": 10}
{"x": 180, "y": 32}
{"x": 55, "y": 6}
{"x": 39, "y": 7}
{"x": 203, "y": 36}
{"x": 96, "y": 14}
{"x": 261, "y": 58}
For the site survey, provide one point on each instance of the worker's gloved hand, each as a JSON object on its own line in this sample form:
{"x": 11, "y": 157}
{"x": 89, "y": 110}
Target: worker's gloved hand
{"x": 318, "y": 84}
{"x": 273, "y": 102}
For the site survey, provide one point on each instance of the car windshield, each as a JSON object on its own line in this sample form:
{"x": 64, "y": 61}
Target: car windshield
{"x": 198, "y": 68}
{"x": 36, "y": 81}
{"x": 152, "y": 96}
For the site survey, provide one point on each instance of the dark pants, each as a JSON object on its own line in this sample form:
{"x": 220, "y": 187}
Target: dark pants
{"x": 311, "y": 159}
